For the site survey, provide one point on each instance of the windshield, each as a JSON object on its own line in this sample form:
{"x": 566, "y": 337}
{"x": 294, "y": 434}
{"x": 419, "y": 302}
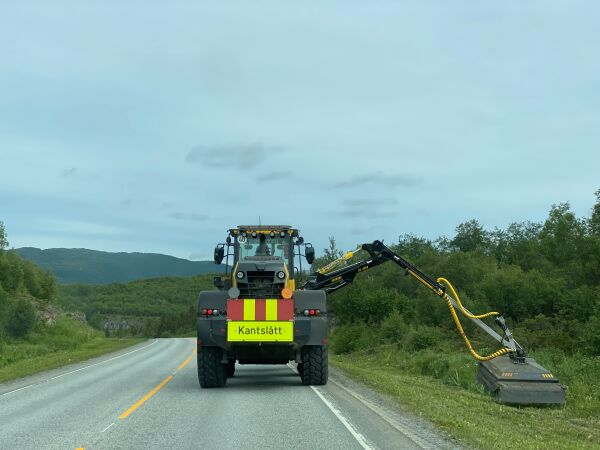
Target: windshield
{"x": 262, "y": 245}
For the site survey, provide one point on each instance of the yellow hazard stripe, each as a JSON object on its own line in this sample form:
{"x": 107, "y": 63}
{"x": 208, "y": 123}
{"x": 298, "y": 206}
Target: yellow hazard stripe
{"x": 271, "y": 309}
{"x": 249, "y": 309}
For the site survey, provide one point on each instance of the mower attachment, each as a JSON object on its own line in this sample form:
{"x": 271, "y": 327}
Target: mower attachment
{"x": 520, "y": 382}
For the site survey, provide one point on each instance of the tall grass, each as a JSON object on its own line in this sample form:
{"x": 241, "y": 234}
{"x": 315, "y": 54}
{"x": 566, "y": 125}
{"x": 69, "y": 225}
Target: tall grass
{"x": 47, "y": 347}
{"x": 423, "y": 367}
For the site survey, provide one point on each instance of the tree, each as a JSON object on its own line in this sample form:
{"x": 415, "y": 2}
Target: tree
{"x": 332, "y": 253}
{"x": 595, "y": 219}
{"x": 561, "y": 235}
{"x": 470, "y": 236}
{"x": 3, "y": 239}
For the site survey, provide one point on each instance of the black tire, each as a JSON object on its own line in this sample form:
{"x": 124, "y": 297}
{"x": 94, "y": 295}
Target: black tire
{"x": 230, "y": 368}
{"x": 314, "y": 365}
{"x": 211, "y": 372}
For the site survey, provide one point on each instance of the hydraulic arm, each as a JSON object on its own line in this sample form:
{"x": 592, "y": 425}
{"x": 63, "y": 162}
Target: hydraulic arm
{"x": 508, "y": 373}
{"x": 379, "y": 253}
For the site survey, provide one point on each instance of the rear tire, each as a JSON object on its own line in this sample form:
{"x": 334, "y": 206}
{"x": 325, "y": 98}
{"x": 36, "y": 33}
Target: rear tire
{"x": 230, "y": 368}
{"x": 314, "y": 366}
{"x": 211, "y": 372}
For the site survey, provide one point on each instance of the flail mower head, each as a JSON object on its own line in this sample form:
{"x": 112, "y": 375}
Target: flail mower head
{"x": 518, "y": 380}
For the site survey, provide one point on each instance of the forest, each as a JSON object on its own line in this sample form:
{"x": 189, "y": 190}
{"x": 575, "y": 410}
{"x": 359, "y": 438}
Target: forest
{"x": 543, "y": 277}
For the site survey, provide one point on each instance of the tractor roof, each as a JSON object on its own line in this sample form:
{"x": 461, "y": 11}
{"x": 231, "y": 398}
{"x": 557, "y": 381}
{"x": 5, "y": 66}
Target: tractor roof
{"x": 264, "y": 227}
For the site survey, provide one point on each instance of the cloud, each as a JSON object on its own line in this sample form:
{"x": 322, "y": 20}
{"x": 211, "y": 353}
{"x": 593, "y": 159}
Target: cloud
{"x": 232, "y": 156}
{"x": 274, "y": 176}
{"x": 367, "y": 213}
{"x": 80, "y": 228}
{"x": 368, "y": 208}
{"x": 389, "y": 181}
{"x": 189, "y": 216}
{"x": 366, "y": 202}
{"x": 66, "y": 173}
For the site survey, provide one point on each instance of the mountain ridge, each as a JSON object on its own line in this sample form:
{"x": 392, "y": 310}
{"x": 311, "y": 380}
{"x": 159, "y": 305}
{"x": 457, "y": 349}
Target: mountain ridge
{"x": 82, "y": 265}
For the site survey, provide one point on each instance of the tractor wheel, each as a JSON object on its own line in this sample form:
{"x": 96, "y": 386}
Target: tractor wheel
{"x": 211, "y": 372}
{"x": 230, "y": 368}
{"x": 314, "y": 365}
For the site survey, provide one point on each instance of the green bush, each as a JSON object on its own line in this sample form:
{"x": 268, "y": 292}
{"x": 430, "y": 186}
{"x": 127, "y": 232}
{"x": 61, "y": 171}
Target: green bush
{"x": 590, "y": 337}
{"x": 421, "y": 338}
{"x": 346, "y": 338}
{"x": 393, "y": 327}
{"x": 21, "y": 318}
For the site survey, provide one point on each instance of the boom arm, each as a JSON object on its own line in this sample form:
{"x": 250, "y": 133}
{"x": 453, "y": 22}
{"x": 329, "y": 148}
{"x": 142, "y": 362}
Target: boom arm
{"x": 380, "y": 253}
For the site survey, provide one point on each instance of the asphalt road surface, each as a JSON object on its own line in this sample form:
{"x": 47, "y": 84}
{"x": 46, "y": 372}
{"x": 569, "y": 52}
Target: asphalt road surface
{"x": 148, "y": 396}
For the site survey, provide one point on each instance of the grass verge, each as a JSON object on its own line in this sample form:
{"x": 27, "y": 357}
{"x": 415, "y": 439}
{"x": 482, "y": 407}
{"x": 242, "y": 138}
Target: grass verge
{"x": 47, "y": 348}
{"x": 441, "y": 388}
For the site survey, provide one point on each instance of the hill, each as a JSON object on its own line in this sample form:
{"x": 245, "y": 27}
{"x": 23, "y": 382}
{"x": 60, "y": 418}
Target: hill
{"x": 80, "y": 265}
{"x": 35, "y": 334}
{"x": 156, "y": 307}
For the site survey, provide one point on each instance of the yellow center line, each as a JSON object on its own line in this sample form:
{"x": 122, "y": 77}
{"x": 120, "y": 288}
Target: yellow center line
{"x": 143, "y": 400}
{"x": 162, "y": 384}
{"x": 185, "y": 363}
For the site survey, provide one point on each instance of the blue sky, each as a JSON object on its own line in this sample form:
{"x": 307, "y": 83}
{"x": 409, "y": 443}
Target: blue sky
{"x": 154, "y": 127}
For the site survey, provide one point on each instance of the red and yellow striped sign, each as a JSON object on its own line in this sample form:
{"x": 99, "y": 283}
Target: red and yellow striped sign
{"x": 260, "y": 309}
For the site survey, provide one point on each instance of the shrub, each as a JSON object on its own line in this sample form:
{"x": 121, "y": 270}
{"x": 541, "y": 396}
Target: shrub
{"x": 421, "y": 338}
{"x": 345, "y": 339}
{"x": 21, "y": 318}
{"x": 393, "y": 327}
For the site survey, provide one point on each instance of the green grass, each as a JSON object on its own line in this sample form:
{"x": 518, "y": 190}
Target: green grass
{"x": 440, "y": 386}
{"x": 66, "y": 342}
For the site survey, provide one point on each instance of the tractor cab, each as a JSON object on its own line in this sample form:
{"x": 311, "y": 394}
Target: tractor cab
{"x": 263, "y": 260}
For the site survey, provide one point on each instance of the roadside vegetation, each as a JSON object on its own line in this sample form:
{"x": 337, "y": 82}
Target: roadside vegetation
{"x": 544, "y": 277}
{"x": 156, "y": 307}
{"x": 35, "y": 334}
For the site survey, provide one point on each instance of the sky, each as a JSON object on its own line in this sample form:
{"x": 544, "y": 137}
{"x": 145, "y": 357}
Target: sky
{"x": 156, "y": 126}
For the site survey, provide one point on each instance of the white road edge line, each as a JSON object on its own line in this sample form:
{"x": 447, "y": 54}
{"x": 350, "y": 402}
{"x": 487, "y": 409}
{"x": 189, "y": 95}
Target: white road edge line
{"x": 103, "y": 362}
{"x": 111, "y": 425}
{"x": 16, "y": 390}
{"x": 385, "y": 416}
{"x": 364, "y": 443}
{"x": 359, "y": 437}
{"x": 81, "y": 368}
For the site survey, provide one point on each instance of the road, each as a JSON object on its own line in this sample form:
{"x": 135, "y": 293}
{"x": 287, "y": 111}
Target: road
{"x": 148, "y": 397}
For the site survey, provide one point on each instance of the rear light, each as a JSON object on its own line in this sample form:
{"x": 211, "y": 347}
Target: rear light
{"x": 311, "y": 312}
{"x": 209, "y": 312}
{"x": 203, "y": 312}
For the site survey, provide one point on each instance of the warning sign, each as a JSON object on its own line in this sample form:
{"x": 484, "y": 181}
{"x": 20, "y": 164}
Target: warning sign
{"x": 260, "y": 331}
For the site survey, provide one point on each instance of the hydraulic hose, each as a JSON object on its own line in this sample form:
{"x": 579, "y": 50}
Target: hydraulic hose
{"x": 475, "y": 355}
{"x": 462, "y": 308}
